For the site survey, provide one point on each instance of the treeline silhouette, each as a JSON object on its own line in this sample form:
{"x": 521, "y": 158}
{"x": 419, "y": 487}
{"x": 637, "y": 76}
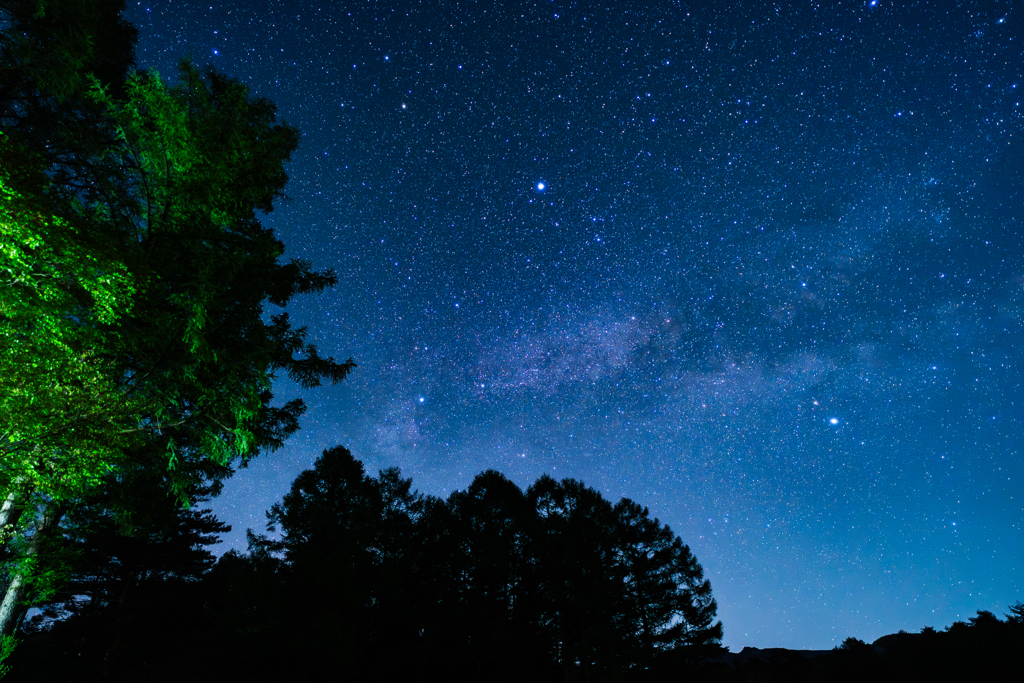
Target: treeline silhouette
{"x": 363, "y": 578}
{"x": 984, "y": 648}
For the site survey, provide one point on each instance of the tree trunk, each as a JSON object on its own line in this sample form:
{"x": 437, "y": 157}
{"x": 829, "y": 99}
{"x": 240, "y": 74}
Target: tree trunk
{"x": 10, "y": 513}
{"x": 10, "y": 610}
{"x": 13, "y": 609}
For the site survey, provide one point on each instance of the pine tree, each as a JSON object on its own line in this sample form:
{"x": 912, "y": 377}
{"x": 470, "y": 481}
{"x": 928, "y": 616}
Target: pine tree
{"x": 133, "y": 278}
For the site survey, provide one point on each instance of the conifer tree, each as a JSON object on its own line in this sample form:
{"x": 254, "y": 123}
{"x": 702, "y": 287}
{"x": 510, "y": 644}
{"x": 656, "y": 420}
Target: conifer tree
{"x": 133, "y": 277}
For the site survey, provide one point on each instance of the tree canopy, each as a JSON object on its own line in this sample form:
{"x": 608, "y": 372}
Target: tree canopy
{"x": 134, "y": 276}
{"x": 553, "y": 579}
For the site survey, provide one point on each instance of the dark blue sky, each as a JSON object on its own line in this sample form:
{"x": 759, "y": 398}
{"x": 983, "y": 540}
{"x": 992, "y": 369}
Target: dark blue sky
{"x": 772, "y": 286}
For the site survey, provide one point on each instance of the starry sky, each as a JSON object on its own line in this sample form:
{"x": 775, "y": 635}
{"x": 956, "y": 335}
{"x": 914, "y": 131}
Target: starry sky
{"x": 756, "y": 265}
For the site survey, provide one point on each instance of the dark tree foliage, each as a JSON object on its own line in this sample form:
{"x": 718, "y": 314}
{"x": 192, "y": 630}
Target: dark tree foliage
{"x": 365, "y": 577}
{"x": 328, "y": 526}
{"x": 580, "y": 582}
{"x": 1016, "y": 615}
{"x": 116, "y": 563}
{"x": 493, "y": 584}
{"x": 984, "y": 648}
{"x": 669, "y": 600}
{"x": 49, "y": 53}
{"x": 489, "y": 603}
{"x": 130, "y": 593}
{"x": 620, "y": 589}
{"x": 362, "y": 578}
{"x": 335, "y": 587}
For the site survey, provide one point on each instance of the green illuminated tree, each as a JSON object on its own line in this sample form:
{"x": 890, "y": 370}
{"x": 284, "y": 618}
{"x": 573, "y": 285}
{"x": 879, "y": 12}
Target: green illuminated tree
{"x": 63, "y": 421}
{"x": 62, "y": 418}
{"x": 133, "y": 280}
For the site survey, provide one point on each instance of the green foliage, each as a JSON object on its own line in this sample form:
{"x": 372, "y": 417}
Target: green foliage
{"x": 7, "y": 645}
{"x": 63, "y": 421}
{"x": 134, "y": 268}
{"x": 202, "y": 157}
{"x": 46, "y": 571}
{"x": 134, "y": 351}
{"x": 153, "y": 331}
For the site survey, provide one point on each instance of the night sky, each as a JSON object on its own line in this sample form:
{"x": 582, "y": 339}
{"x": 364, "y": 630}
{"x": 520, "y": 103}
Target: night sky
{"x": 758, "y": 266}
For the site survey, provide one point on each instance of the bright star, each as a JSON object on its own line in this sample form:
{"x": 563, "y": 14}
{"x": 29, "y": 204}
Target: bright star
{"x": 540, "y": 186}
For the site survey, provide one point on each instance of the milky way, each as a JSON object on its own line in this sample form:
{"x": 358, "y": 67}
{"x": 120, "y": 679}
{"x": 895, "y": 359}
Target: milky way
{"x": 756, "y": 266}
